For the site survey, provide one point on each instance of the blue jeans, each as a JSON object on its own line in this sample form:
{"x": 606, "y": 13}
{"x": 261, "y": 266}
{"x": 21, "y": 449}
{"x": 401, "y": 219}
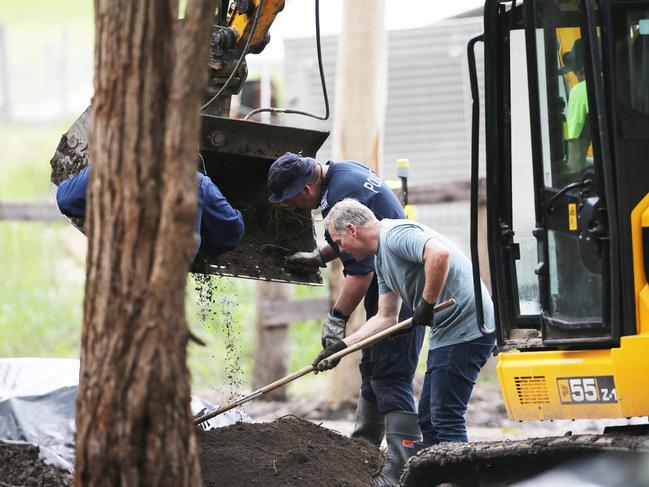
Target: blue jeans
{"x": 451, "y": 373}
{"x": 388, "y": 367}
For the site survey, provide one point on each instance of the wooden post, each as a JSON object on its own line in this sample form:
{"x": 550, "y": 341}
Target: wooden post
{"x": 357, "y": 134}
{"x": 271, "y": 343}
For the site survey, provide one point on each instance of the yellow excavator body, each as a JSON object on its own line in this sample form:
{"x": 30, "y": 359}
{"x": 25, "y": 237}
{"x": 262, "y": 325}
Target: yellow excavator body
{"x": 577, "y": 384}
{"x": 586, "y": 384}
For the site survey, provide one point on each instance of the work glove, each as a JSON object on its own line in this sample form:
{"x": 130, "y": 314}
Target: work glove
{"x": 306, "y": 260}
{"x": 424, "y": 314}
{"x": 321, "y": 362}
{"x": 333, "y": 328}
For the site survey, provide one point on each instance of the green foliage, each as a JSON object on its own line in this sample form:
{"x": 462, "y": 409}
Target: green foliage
{"x": 41, "y": 291}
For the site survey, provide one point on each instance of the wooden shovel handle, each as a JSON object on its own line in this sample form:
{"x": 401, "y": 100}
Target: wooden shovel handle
{"x": 365, "y": 342}
{"x": 310, "y": 368}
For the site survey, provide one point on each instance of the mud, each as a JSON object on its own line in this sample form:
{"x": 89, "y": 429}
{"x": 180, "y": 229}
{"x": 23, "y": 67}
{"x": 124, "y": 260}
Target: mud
{"x": 503, "y": 463}
{"x": 21, "y": 466}
{"x": 287, "y": 452}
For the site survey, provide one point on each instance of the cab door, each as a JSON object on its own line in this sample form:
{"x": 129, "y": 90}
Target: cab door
{"x": 549, "y": 228}
{"x": 573, "y": 230}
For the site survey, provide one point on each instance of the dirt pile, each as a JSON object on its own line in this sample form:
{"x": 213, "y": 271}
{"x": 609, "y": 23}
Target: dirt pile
{"x": 287, "y": 452}
{"x": 21, "y": 466}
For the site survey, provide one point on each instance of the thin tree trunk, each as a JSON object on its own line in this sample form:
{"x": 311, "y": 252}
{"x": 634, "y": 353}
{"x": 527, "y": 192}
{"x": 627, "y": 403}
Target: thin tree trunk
{"x": 134, "y": 424}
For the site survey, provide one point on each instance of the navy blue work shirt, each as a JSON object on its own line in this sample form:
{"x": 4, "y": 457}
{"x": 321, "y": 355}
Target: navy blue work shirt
{"x": 219, "y": 226}
{"x": 351, "y": 179}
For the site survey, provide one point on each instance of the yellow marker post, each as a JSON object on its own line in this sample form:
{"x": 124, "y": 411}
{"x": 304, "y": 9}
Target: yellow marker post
{"x": 403, "y": 168}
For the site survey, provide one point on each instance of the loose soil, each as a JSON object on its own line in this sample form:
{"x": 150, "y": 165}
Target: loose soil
{"x": 287, "y": 452}
{"x": 21, "y": 466}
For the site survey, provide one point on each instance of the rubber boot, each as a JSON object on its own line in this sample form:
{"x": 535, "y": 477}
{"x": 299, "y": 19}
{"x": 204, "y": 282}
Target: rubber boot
{"x": 401, "y": 433}
{"x": 370, "y": 423}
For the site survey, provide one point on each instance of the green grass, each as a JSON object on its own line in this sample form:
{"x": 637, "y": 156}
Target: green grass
{"x": 40, "y": 293}
{"x": 25, "y": 156}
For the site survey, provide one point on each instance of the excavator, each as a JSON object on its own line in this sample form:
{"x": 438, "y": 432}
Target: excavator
{"x": 566, "y": 102}
{"x": 566, "y": 125}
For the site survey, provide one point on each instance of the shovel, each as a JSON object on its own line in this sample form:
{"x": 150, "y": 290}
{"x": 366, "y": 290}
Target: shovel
{"x": 310, "y": 368}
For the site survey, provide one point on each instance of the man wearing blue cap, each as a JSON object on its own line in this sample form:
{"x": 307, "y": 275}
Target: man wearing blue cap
{"x": 388, "y": 367}
{"x": 219, "y": 227}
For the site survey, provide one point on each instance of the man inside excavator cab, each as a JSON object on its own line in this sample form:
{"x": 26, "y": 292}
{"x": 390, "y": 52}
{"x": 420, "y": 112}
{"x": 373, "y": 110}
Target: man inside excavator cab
{"x": 577, "y": 131}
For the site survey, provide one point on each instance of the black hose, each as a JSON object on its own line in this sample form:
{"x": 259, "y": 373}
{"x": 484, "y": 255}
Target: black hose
{"x": 322, "y": 80}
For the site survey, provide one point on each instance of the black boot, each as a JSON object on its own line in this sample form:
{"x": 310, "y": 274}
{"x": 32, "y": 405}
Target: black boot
{"x": 370, "y": 424}
{"x": 401, "y": 433}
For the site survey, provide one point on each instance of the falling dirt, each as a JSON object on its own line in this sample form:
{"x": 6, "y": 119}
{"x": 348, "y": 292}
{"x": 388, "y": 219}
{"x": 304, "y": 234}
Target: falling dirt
{"x": 215, "y": 310}
{"x": 21, "y": 466}
{"x": 287, "y": 452}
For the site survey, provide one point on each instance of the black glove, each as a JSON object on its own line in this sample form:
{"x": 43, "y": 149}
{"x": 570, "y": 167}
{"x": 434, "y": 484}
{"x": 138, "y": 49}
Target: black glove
{"x": 321, "y": 362}
{"x": 424, "y": 314}
{"x": 333, "y": 328}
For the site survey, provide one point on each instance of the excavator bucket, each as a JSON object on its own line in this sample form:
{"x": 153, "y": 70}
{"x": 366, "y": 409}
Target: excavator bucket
{"x": 236, "y": 155}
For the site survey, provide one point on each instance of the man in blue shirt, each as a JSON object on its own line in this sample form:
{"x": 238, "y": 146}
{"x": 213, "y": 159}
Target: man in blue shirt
{"x": 387, "y": 368}
{"x": 418, "y": 266}
{"x": 219, "y": 227}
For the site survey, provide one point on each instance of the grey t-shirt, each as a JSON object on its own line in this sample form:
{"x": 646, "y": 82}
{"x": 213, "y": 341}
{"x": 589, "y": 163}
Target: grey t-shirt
{"x": 399, "y": 269}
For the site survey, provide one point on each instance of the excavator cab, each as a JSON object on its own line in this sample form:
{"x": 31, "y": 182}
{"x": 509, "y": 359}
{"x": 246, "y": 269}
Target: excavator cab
{"x": 566, "y": 140}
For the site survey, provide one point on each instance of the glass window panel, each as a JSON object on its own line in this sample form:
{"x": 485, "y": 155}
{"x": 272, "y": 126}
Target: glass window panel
{"x": 631, "y": 32}
{"x": 522, "y": 179}
{"x": 575, "y": 292}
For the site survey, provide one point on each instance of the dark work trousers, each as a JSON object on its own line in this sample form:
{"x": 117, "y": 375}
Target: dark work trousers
{"x": 451, "y": 373}
{"x": 388, "y": 367}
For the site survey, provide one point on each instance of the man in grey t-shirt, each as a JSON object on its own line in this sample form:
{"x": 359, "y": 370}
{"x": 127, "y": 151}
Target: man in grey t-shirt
{"x": 419, "y": 266}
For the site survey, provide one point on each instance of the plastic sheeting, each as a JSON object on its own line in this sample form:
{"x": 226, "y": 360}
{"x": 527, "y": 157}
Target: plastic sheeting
{"x": 37, "y": 404}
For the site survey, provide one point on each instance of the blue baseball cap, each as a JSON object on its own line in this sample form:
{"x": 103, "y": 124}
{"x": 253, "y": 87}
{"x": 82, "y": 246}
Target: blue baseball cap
{"x": 288, "y": 175}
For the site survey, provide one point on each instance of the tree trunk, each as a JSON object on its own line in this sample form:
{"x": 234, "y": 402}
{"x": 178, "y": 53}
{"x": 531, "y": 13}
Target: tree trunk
{"x": 134, "y": 424}
{"x": 358, "y": 127}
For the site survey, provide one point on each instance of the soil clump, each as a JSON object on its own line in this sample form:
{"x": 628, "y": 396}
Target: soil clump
{"x": 20, "y": 465}
{"x": 287, "y": 452}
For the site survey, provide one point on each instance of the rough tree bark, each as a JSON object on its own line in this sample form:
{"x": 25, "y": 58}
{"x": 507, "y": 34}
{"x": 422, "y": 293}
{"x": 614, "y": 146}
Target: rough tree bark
{"x": 134, "y": 424}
